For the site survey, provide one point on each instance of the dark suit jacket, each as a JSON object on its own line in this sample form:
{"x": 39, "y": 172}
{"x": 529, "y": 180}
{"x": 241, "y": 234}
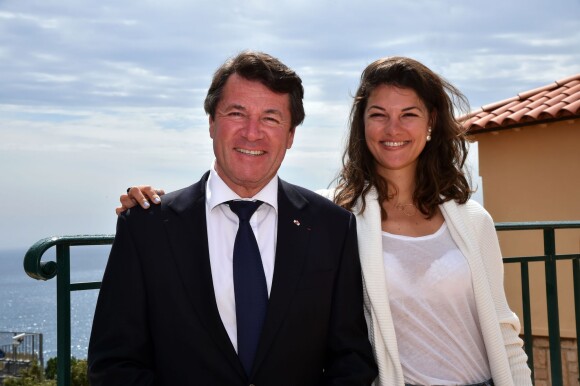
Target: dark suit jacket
{"x": 157, "y": 322}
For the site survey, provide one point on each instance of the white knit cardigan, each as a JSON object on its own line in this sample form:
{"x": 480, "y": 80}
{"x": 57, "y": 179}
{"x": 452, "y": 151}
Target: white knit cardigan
{"x": 473, "y": 231}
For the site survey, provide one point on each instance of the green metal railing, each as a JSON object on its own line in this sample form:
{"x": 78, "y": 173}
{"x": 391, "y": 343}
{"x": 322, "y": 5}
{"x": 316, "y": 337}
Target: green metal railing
{"x": 39, "y": 270}
{"x": 550, "y": 259}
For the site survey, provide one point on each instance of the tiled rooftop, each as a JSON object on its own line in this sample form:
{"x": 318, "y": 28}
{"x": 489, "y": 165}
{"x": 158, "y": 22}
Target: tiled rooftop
{"x": 556, "y": 101}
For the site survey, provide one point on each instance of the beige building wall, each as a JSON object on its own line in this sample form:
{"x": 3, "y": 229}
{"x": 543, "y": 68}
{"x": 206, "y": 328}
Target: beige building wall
{"x": 533, "y": 174}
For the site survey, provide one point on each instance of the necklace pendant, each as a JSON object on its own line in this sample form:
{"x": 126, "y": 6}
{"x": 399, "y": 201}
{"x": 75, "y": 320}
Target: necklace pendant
{"x": 407, "y": 209}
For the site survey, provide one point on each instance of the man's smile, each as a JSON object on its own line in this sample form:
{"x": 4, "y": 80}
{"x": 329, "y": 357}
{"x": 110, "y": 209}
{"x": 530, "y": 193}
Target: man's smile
{"x": 249, "y": 152}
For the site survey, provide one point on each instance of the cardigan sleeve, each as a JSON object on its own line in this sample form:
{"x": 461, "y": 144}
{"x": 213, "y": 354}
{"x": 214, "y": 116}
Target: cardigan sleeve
{"x": 328, "y": 193}
{"x": 509, "y": 322}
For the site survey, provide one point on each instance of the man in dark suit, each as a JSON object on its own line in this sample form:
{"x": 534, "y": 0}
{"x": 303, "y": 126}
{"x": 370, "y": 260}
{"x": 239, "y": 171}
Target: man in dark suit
{"x": 169, "y": 310}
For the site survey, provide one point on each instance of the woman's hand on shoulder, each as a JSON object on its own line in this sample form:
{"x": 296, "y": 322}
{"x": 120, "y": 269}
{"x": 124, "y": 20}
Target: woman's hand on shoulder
{"x": 142, "y": 195}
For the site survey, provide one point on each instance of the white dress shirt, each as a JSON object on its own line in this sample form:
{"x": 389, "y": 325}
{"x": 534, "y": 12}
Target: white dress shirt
{"x": 222, "y": 226}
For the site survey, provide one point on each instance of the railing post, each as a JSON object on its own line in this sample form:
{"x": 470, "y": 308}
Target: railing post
{"x": 526, "y": 305}
{"x": 552, "y": 304}
{"x": 41, "y": 349}
{"x": 63, "y": 315}
{"x": 576, "y": 278}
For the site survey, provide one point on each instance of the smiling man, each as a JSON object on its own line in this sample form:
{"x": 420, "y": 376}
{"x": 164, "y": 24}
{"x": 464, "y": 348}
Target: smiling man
{"x": 198, "y": 292}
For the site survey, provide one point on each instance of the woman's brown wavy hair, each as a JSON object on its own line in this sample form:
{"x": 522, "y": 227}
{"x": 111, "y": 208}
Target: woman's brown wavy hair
{"x": 440, "y": 176}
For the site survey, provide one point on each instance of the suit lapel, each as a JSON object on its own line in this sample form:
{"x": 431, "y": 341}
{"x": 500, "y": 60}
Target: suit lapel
{"x": 187, "y": 231}
{"x": 291, "y": 245}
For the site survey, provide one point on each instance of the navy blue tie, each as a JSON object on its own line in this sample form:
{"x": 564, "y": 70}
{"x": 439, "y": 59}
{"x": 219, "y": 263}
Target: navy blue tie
{"x": 250, "y": 287}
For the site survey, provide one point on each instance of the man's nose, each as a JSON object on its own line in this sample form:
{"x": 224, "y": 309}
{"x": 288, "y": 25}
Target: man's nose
{"x": 253, "y": 130}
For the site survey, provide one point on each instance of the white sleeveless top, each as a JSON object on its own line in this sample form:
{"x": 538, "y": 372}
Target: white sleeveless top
{"x": 433, "y": 307}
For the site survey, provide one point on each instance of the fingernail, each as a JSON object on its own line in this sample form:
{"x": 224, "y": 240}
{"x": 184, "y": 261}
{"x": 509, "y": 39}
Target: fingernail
{"x": 146, "y": 204}
{"x": 156, "y": 199}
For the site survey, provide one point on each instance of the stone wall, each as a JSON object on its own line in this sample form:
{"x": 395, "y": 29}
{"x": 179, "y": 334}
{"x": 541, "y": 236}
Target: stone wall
{"x": 542, "y": 373}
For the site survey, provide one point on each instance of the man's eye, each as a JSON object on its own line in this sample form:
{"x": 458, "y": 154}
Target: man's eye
{"x": 271, "y": 120}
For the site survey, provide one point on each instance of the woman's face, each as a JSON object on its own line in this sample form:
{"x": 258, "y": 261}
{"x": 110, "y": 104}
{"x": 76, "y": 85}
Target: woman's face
{"x": 396, "y": 128}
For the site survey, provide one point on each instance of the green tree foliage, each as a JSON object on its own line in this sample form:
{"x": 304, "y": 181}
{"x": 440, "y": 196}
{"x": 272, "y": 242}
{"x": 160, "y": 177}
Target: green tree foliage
{"x": 79, "y": 372}
{"x": 33, "y": 376}
{"x": 50, "y": 370}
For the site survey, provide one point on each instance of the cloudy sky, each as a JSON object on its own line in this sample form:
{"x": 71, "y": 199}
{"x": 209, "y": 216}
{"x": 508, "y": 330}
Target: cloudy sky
{"x": 99, "y": 95}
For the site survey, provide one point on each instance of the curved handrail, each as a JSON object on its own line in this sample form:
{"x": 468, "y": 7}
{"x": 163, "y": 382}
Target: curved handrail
{"x": 39, "y": 270}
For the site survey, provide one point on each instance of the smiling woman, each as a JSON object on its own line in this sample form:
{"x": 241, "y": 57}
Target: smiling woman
{"x": 397, "y": 125}
{"x": 431, "y": 262}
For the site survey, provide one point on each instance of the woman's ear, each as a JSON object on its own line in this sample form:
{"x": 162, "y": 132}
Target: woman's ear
{"x": 433, "y": 119}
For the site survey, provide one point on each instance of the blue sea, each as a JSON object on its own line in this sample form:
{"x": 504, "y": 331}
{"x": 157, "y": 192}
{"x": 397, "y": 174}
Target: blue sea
{"x": 29, "y": 305}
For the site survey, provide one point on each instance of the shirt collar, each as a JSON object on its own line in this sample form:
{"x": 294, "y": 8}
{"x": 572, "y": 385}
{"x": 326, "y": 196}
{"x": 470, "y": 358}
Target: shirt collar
{"x": 217, "y": 192}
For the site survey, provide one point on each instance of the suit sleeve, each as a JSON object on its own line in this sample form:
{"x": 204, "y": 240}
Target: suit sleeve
{"x": 350, "y": 358}
{"x": 120, "y": 348}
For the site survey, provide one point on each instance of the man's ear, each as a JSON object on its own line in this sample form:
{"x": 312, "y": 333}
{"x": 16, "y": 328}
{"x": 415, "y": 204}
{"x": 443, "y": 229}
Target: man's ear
{"x": 290, "y": 140}
{"x": 211, "y": 127}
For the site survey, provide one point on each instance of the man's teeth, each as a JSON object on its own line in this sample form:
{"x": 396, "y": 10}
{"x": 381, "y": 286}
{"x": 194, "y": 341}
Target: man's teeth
{"x": 251, "y": 152}
{"x": 393, "y": 144}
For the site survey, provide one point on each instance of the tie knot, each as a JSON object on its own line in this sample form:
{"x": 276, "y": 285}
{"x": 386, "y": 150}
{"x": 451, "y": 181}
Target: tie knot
{"x": 244, "y": 209}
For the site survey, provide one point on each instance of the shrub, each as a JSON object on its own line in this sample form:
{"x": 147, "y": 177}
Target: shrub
{"x": 78, "y": 370}
{"x": 32, "y": 376}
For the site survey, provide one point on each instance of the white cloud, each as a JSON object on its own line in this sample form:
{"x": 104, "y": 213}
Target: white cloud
{"x": 98, "y": 97}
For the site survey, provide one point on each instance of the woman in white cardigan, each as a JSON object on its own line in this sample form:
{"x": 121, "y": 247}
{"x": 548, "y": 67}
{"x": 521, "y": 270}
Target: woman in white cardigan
{"x": 430, "y": 257}
{"x": 432, "y": 268}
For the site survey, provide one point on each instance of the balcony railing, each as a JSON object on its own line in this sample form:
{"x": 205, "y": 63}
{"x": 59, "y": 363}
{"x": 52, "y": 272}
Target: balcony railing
{"x": 37, "y": 269}
{"x": 550, "y": 258}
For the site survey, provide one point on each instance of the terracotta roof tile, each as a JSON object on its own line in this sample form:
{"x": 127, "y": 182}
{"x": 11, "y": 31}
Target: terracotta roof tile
{"x": 571, "y": 79}
{"x": 493, "y": 106}
{"x": 555, "y": 101}
{"x": 535, "y": 97}
{"x": 522, "y": 105}
{"x": 538, "y": 103}
{"x": 535, "y": 113}
{"x": 555, "y": 93}
{"x": 573, "y": 108}
{"x": 506, "y": 107}
{"x": 575, "y": 89}
{"x": 541, "y": 91}
{"x": 572, "y": 98}
{"x": 501, "y": 117}
{"x": 517, "y": 116}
